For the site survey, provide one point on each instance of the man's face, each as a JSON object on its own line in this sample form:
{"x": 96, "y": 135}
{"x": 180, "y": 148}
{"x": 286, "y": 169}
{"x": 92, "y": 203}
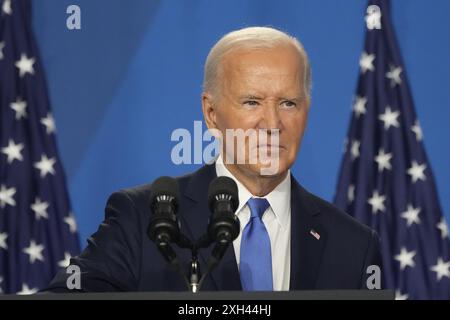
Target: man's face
{"x": 261, "y": 90}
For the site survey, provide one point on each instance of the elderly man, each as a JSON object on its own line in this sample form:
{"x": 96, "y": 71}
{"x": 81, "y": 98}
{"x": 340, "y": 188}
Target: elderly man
{"x": 258, "y": 80}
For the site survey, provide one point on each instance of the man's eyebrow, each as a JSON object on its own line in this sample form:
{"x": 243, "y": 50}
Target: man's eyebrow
{"x": 297, "y": 99}
{"x": 251, "y": 97}
{"x": 255, "y": 97}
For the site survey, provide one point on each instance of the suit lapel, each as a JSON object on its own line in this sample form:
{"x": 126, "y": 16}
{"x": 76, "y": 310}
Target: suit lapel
{"x": 306, "y": 249}
{"x": 195, "y": 215}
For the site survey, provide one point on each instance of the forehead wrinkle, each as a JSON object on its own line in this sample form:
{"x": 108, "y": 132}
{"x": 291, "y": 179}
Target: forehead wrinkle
{"x": 269, "y": 88}
{"x": 254, "y": 78}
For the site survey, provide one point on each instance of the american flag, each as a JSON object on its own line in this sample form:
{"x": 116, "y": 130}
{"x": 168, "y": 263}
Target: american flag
{"x": 37, "y": 229}
{"x": 386, "y": 180}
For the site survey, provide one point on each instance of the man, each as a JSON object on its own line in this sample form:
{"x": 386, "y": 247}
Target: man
{"x": 257, "y": 80}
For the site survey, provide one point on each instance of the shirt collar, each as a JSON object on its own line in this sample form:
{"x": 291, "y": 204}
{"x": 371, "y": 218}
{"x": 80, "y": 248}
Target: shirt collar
{"x": 279, "y": 198}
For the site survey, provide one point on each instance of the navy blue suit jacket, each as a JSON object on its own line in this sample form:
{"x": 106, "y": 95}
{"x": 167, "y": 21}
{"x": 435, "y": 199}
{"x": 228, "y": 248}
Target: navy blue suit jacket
{"x": 121, "y": 257}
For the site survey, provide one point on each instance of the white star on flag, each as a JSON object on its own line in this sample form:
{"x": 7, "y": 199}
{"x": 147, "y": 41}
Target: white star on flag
{"x": 400, "y": 296}
{"x": 417, "y": 130}
{"x": 359, "y": 107}
{"x": 70, "y": 220}
{"x": 26, "y": 290}
{"x": 389, "y": 118}
{"x": 383, "y": 160}
{"x": 355, "y": 149}
{"x": 443, "y": 227}
{"x": 417, "y": 171}
{"x": 45, "y": 166}
{"x": 66, "y": 261}
{"x": 351, "y": 193}
{"x": 394, "y": 75}
{"x": 12, "y": 151}
{"x": 34, "y": 251}
{"x": 6, "y": 8}
{"x": 49, "y": 123}
{"x": 377, "y": 202}
{"x": 411, "y": 215}
{"x": 25, "y": 65}
{"x": 20, "y": 108}
{"x": 40, "y": 209}
{"x": 366, "y": 62}
{"x": 6, "y": 196}
{"x": 2, "y": 45}
{"x": 442, "y": 269}
{"x": 3, "y": 237}
{"x": 406, "y": 258}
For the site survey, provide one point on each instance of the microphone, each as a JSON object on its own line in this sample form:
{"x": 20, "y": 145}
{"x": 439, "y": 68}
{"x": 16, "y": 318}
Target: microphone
{"x": 223, "y": 200}
{"x": 164, "y": 226}
{"x": 224, "y": 226}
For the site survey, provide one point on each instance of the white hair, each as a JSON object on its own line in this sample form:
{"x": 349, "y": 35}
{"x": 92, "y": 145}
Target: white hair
{"x": 250, "y": 38}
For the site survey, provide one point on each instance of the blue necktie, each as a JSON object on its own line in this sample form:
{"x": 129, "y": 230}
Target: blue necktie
{"x": 255, "y": 265}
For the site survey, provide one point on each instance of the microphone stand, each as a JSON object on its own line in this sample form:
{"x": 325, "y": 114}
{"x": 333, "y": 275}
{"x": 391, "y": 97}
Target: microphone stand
{"x": 194, "y": 272}
{"x": 218, "y": 252}
{"x": 195, "y": 278}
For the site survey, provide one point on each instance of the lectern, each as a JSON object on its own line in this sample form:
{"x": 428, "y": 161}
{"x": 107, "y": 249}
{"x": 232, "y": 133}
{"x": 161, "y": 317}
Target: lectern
{"x": 216, "y": 296}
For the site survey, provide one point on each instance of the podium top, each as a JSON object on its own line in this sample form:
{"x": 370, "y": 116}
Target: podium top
{"x": 217, "y": 295}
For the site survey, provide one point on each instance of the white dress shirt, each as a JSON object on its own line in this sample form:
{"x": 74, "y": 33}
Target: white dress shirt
{"x": 277, "y": 219}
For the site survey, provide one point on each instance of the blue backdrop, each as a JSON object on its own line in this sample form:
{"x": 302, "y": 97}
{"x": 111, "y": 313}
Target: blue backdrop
{"x": 133, "y": 73}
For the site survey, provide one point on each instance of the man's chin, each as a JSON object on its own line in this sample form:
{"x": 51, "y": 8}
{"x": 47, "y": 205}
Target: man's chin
{"x": 268, "y": 170}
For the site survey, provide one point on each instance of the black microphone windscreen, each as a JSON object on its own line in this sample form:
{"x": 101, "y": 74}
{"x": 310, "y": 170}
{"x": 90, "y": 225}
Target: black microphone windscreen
{"x": 165, "y": 186}
{"x": 223, "y": 185}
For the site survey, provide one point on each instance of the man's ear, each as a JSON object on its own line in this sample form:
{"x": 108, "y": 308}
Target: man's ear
{"x": 209, "y": 110}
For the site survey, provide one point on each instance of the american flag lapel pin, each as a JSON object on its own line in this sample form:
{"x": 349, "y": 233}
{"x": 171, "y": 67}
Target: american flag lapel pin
{"x": 314, "y": 234}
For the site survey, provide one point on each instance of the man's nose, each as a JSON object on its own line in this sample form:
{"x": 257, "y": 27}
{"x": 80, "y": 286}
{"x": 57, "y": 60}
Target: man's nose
{"x": 271, "y": 119}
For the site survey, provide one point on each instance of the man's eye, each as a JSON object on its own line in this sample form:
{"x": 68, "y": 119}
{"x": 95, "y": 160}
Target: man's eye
{"x": 251, "y": 103}
{"x": 288, "y": 104}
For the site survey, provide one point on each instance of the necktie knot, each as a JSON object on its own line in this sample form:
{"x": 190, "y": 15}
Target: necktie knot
{"x": 257, "y": 207}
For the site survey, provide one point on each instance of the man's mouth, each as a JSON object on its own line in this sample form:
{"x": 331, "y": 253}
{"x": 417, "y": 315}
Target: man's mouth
{"x": 270, "y": 147}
